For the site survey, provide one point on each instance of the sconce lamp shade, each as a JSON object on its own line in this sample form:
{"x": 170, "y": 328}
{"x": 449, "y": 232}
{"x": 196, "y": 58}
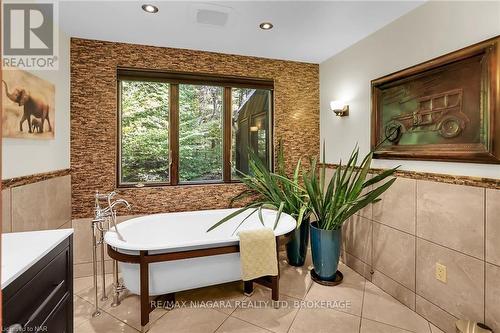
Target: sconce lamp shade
{"x": 339, "y": 108}
{"x": 337, "y": 105}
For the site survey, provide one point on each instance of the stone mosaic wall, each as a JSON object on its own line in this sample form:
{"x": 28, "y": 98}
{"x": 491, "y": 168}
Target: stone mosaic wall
{"x": 492, "y": 183}
{"x": 94, "y": 118}
{"x": 30, "y": 179}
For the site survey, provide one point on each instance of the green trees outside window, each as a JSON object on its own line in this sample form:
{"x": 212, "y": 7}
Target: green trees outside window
{"x": 200, "y": 133}
{"x": 179, "y": 133}
{"x": 144, "y": 132}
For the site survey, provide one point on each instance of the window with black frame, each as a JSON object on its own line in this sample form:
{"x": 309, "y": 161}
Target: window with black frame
{"x": 190, "y": 129}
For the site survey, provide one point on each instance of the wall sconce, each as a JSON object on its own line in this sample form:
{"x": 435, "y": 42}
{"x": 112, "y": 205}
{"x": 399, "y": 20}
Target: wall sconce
{"x": 254, "y": 128}
{"x": 339, "y": 108}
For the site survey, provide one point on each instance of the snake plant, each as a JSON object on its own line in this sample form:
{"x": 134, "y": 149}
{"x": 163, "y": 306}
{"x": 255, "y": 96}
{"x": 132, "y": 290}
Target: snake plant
{"x": 347, "y": 191}
{"x": 272, "y": 190}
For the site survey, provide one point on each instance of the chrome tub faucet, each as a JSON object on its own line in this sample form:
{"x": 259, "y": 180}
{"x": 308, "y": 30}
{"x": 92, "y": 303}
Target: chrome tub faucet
{"x": 104, "y": 220}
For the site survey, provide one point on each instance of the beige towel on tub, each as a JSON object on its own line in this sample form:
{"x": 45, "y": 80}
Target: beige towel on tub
{"x": 258, "y": 253}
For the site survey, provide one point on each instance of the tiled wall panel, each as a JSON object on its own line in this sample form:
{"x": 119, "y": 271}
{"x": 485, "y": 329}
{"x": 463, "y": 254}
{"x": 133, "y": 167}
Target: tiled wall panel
{"x": 387, "y": 242}
{"x": 38, "y": 205}
{"x": 82, "y": 246}
{"x": 493, "y": 296}
{"x": 463, "y": 293}
{"x": 6, "y": 211}
{"x": 493, "y": 226}
{"x": 397, "y": 208}
{"x": 455, "y": 225}
{"x": 452, "y": 216}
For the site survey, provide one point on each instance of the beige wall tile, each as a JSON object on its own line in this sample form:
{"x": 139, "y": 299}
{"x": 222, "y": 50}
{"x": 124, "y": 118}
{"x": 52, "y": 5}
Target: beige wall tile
{"x": 397, "y": 208}
{"x": 42, "y": 205}
{"x": 357, "y": 265}
{"x": 493, "y": 297}
{"x": 493, "y": 226}
{"x": 82, "y": 247}
{"x": 463, "y": 294}
{"x": 440, "y": 318}
{"x": 394, "y": 254}
{"x": 396, "y": 290}
{"x": 328, "y": 175}
{"x": 357, "y": 238}
{"x": 82, "y": 241}
{"x": 6, "y": 211}
{"x": 67, "y": 225}
{"x": 85, "y": 269}
{"x": 451, "y": 215}
{"x": 367, "y": 212}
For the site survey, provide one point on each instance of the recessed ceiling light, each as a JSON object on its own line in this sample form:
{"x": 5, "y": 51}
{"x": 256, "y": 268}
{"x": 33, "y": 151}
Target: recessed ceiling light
{"x": 266, "y": 25}
{"x": 150, "y": 8}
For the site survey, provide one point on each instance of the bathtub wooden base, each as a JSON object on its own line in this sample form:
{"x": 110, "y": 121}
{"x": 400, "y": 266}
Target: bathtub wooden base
{"x": 144, "y": 259}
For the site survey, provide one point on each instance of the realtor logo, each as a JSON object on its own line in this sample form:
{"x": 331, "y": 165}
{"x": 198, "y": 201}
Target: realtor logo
{"x": 29, "y": 39}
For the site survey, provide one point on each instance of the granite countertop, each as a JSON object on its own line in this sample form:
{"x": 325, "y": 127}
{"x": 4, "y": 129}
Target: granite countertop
{"x": 20, "y": 250}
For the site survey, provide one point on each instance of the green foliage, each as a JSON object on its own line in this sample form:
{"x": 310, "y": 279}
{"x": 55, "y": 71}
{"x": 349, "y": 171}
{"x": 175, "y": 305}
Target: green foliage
{"x": 273, "y": 190}
{"x": 144, "y": 141}
{"x": 346, "y": 193}
{"x": 200, "y": 132}
{"x": 145, "y": 131}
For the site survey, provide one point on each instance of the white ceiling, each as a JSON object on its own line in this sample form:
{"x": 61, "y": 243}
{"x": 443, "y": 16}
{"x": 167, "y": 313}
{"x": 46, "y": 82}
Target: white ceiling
{"x": 309, "y": 31}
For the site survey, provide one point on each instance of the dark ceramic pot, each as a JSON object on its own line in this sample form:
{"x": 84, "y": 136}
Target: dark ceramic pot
{"x": 296, "y": 248}
{"x": 325, "y": 249}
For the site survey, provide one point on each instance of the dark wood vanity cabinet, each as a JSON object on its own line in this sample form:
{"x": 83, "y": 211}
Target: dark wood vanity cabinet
{"x": 41, "y": 299}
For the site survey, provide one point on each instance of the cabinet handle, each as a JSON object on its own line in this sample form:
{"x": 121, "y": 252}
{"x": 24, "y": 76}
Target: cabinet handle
{"x": 44, "y": 303}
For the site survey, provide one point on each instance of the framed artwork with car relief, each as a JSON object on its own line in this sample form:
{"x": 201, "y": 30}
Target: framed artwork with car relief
{"x": 28, "y": 106}
{"x": 445, "y": 109}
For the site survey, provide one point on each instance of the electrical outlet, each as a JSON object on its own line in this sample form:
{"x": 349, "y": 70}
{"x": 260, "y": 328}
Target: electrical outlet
{"x": 441, "y": 272}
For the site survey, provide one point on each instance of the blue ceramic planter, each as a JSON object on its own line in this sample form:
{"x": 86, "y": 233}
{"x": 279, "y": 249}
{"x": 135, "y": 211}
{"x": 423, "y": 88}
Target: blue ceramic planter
{"x": 296, "y": 248}
{"x": 325, "y": 248}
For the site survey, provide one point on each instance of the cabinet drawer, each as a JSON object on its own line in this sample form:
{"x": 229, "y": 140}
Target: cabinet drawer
{"x": 58, "y": 320}
{"x": 35, "y": 301}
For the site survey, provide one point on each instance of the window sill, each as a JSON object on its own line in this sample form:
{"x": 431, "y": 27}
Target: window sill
{"x": 164, "y": 185}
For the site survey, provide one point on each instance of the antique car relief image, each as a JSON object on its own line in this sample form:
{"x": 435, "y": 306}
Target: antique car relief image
{"x": 28, "y": 106}
{"x": 438, "y": 112}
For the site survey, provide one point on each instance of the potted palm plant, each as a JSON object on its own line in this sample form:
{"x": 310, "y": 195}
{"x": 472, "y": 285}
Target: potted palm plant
{"x": 276, "y": 191}
{"x": 296, "y": 248}
{"x": 334, "y": 203}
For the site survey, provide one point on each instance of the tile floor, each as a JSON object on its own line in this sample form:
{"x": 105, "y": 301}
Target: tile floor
{"x": 354, "y": 306}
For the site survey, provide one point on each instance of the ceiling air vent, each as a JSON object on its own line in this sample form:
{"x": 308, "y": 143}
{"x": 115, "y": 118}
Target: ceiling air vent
{"x": 210, "y": 14}
{"x": 212, "y": 17}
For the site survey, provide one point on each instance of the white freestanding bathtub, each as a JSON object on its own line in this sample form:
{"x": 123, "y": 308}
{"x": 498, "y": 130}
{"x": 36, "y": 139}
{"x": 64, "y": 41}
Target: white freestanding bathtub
{"x": 177, "y": 232}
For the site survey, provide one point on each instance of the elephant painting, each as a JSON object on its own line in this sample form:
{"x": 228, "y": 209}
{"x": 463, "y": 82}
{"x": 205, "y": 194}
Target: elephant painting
{"x": 36, "y": 125}
{"x": 28, "y": 107}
